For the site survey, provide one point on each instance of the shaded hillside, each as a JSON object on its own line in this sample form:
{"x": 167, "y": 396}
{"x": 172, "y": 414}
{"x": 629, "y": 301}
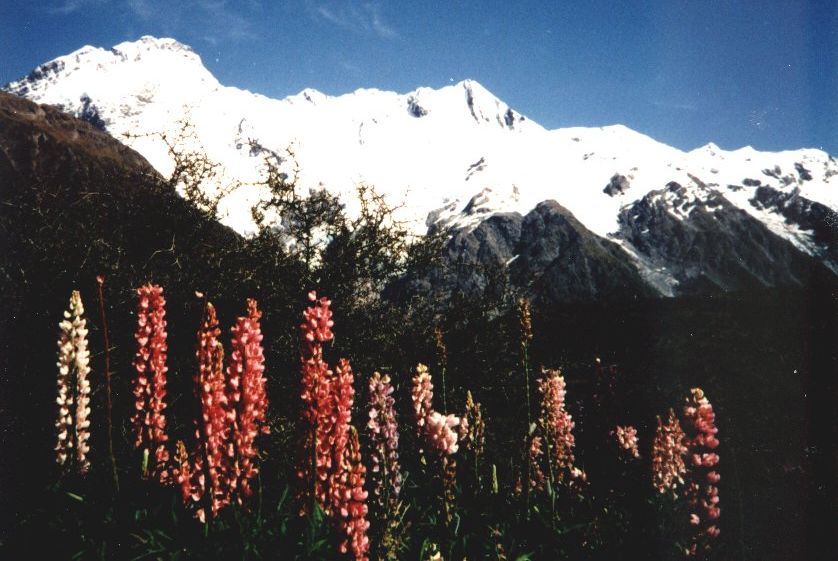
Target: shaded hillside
{"x": 75, "y": 204}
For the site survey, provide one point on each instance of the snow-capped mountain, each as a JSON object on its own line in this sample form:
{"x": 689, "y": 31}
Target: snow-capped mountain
{"x": 458, "y": 157}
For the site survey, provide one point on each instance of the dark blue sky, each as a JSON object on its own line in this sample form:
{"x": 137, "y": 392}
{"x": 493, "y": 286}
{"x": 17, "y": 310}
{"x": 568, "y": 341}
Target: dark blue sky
{"x": 684, "y": 72}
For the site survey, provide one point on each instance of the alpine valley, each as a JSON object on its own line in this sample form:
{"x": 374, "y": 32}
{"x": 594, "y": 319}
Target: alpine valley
{"x": 568, "y": 214}
{"x": 709, "y": 269}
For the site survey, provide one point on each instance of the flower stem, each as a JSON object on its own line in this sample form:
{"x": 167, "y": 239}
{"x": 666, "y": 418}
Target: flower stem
{"x": 100, "y": 280}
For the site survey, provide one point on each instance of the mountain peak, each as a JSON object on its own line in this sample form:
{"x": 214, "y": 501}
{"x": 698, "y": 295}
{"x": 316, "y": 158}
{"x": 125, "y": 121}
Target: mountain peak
{"x": 147, "y": 44}
{"x": 486, "y": 107}
{"x": 452, "y": 156}
{"x": 146, "y": 70}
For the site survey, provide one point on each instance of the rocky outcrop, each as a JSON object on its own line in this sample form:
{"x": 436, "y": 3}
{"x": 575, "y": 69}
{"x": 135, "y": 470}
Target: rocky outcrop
{"x": 809, "y": 216}
{"x": 547, "y": 255}
{"x": 619, "y": 184}
{"x": 705, "y": 243}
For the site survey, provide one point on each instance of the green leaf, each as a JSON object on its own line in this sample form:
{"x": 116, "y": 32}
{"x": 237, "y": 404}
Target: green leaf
{"x": 79, "y": 498}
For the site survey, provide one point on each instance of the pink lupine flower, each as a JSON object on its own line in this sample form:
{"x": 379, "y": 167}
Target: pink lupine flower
{"x": 315, "y": 456}
{"x": 212, "y": 464}
{"x": 248, "y": 396}
{"x": 626, "y": 438}
{"x": 344, "y": 398}
{"x": 384, "y": 443}
{"x": 349, "y": 505}
{"x": 535, "y": 455}
{"x": 702, "y": 493}
{"x": 433, "y": 428}
{"x": 440, "y": 433}
{"x": 557, "y": 425}
{"x": 668, "y": 452}
{"x": 332, "y": 433}
{"x": 73, "y": 366}
{"x": 330, "y": 452}
{"x": 192, "y": 483}
{"x": 150, "y": 381}
{"x": 233, "y": 414}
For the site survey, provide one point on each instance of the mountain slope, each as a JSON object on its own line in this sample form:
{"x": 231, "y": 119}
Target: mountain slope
{"x": 454, "y": 157}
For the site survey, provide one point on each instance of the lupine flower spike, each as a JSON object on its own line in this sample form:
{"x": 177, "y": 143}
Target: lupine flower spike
{"x": 349, "y": 500}
{"x": 82, "y": 366}
{"x": 330, "y": 452}
{"x": 536, "y": 453}
{"x": 473, "y": 437}
{"x": 150, "y": 382}
{"x": 525, "y": 322}
{"x": 314, "y": 459}
{"x": 437, "y": 433}
{"x": 64, "y": 423}
{"x": 668, "y": 453}
{"x": 436, "y": 430}
{"x": 384, "y": 444}
{"x": 626, "y": 439}
{"x": 211, "y": 466}
{"x": 73, "y": 366}
{"x": 557, "y": 426}
{"x": 247, "y": 395}
{"x": 702, "y": 492}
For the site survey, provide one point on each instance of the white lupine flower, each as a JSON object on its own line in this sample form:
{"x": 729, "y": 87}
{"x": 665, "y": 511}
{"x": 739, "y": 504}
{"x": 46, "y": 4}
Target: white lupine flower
{"x": 73, "y": 362}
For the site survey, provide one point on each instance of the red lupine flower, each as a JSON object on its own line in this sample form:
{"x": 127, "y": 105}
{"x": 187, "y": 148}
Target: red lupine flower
{"x": 349, "y": 500}
{"x": 191, "y": 483}
{"x": 384, "y": 443}
{"x": 668, "y": 452}
{"x": 212, "y": 463}
{"x": 344, "y": 397}
{"x": 330, "y": 465}
{"x": 247, "y": 395}
{"x": 315, "y": 456}
{"x": 320, "y": 404}
{"x": 702, "y": 493}
{"x": 150, "y": 382}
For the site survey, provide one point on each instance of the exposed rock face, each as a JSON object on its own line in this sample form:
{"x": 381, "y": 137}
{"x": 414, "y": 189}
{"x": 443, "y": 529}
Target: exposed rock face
{"x": 808, "y": 215}
{"x": 618, "y": 184}
{"x": 547, "y": 254}
{"x": 561, "y": 260}
{"x": 706, "y": 243}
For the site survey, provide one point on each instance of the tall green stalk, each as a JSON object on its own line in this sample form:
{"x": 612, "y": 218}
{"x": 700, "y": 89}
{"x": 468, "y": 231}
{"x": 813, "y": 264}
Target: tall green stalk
{"x": 525, "y": 320}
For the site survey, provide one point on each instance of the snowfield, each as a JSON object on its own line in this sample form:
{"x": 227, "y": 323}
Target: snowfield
{"x": 446, "y": 157}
